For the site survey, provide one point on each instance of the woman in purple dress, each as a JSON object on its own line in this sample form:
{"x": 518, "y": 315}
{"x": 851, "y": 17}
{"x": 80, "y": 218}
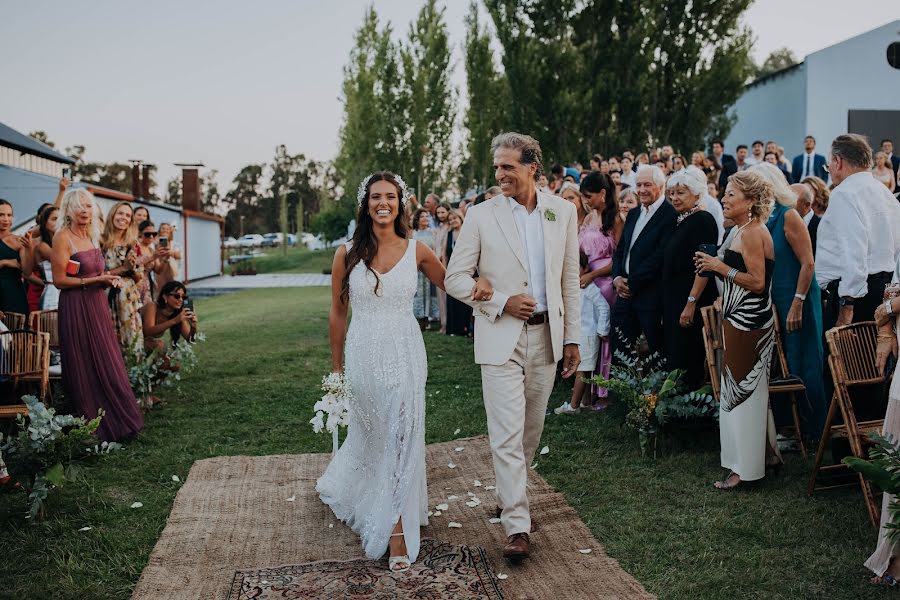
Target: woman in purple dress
{"x": 597, "y": 238}
{"x": 93, "y": 370}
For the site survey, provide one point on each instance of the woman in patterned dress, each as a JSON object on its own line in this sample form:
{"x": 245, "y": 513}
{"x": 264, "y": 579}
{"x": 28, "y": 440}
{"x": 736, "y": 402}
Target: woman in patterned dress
{"x": 118, "y": 244}
{"x": 746, "y": 426}
{"x": 425, "y": 304}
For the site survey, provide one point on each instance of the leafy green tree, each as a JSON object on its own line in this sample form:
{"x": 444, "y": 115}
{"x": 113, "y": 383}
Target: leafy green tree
{"x": 173, "y": 192}
{"x": 41, "y": 136}
{"x": 779, "y": 59}
{"x": 244, "y": 196}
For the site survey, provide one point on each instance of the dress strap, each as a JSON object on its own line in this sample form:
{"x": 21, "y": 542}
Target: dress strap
{"x": 71, "y": 243}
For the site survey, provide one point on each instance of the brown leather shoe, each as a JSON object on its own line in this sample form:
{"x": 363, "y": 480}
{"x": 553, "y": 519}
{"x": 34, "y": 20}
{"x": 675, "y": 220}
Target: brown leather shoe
{"x": 534, "y": 526}
{"x": 517, "y": 547}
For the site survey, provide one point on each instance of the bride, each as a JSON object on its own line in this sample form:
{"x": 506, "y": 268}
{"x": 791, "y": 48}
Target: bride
{"x": 376, "y": 480}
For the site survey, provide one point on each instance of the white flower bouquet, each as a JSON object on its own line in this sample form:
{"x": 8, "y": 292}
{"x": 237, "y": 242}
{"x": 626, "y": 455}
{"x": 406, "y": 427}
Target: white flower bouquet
{"x": 333, "y": 410}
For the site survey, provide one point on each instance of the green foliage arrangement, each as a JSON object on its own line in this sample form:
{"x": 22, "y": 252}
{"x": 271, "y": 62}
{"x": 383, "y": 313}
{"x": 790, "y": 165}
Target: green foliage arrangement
{"x": 46, "y": 445}
{"x": 162, "y": 368}
{"x": 883, "y": 470}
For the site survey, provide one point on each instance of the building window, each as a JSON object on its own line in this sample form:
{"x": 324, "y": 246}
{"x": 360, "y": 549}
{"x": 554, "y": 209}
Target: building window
{"x": 893, "y": 55}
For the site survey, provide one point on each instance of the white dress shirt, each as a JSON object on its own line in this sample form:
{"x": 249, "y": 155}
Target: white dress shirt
{"x": 859, "y": 235}
{"x": 645, "y": 216}
{"x": 809, "y": 164}
{"x": 594, "y": 312}
{"x": 531, "y": 234}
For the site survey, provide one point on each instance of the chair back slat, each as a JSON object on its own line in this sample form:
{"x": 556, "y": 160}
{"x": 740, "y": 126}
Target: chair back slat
{"x": 853, "y": 347}
{"x": 22, "y": 353}
{"x": 780, "y": 366}
{"x": 47, "y": 321}
{"x": 712, "y": 341}
{"x": 14, "y": 320}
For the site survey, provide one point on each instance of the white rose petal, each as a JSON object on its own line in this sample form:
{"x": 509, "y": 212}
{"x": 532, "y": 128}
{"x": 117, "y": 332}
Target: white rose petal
{"x": 331, "y": 526}
{"x": 494, "y": 520}
{"x": 452, "y": 498}
{"x": 534, "y": 466}
{"x": 85, "y": 529}
{"x": 137, "y": 505}
{"x": 454, "y": 525}
{"x": 443, "y": 506}
{"x": 437, "y": 513}
{"x": 489, "y": 487}
{"x": 451, "y": 465}
{"x": 545, "y": 450}
{"x": 472, "y": 504}
{"x": 502, "y": 575}
{"x": 457, "y": 431}
{"x": 470, "y": 494}
{"x": 459, "y": 449}
{"x": 430, "y": 513}
{"x": 477, "y": 483}
{"x": 292, "y": 498}
{"x": 585, "y": 551}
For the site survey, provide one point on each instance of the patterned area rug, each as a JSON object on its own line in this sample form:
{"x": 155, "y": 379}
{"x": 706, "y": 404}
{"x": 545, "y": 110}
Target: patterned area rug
{"x": 443, "y": 571}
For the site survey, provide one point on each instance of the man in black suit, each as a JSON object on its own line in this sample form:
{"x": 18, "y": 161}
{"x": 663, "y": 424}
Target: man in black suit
{"x": 809, "y": 163}
{"x": 637, "y": 264}
{"x": 804, "y": 207}
{"x": 887, "y": 146}
{"x": 726, "y": 163}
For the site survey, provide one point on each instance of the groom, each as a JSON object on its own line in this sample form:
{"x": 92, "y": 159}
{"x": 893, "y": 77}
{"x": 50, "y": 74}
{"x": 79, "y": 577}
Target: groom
{"x": 524, "y": 242}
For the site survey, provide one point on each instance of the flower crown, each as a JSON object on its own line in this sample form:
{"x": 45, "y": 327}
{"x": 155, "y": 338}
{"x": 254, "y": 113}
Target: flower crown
{"x": 361, "y": 192}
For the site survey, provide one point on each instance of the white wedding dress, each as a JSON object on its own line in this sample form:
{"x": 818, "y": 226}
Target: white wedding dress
{"x": 378, "y": 473}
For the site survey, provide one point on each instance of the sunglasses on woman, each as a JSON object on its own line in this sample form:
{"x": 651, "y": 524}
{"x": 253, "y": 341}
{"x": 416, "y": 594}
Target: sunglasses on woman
{"x": 150, "y": 234}
{"x": 179, "y": 296}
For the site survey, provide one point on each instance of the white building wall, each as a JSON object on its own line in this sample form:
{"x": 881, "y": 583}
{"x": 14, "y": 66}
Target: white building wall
{"x": 851, "y": 75}
{"x": 774, "y": 109}
{"x": 204, "y": 248}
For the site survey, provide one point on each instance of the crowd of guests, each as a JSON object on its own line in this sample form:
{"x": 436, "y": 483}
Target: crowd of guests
{"x": 113, "y": 279}
{"x": 812, "y": 242}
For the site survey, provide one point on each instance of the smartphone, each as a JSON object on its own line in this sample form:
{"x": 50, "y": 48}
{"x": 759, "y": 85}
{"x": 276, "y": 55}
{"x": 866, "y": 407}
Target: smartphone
{"x": 163, "y": 242}
{"x": 67, "y": 173}
{"x": 709, "y": 249}
{"x": 188, "y": 304}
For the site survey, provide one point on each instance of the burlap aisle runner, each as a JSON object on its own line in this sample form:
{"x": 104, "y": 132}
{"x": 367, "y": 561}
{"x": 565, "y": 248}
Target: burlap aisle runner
{"x": 233, "y": 513}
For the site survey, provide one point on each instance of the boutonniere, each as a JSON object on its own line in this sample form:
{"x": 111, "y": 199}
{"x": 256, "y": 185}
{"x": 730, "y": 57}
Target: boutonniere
{"x": 550, "y": 215}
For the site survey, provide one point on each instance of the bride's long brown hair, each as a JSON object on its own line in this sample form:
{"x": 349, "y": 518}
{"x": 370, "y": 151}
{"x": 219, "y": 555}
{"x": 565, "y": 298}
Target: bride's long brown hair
{"x": 364, "y": 245}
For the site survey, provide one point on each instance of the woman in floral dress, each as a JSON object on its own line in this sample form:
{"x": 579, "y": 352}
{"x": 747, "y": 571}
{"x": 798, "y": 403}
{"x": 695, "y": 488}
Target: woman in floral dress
{"x": 118, "y": 244}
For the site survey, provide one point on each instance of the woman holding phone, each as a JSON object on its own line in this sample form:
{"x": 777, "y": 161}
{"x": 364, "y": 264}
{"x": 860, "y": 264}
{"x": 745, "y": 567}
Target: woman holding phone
{"x": 167, "y": 268}
{"x": 118, "y": 244}
{"x": 94, "y": 375}
{"x": 171, "y": 312}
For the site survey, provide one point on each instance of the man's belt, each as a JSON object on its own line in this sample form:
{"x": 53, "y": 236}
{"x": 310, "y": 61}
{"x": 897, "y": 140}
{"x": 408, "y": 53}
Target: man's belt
{"x": 538, "y": 319}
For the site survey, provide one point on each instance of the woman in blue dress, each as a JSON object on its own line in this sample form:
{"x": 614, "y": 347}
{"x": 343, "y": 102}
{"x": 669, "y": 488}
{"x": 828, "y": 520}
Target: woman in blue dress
{"x": 797, "y": 298}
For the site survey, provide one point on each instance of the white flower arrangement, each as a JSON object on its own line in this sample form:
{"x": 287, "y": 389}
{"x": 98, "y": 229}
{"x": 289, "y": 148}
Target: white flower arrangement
{"x": 333, "y": 410}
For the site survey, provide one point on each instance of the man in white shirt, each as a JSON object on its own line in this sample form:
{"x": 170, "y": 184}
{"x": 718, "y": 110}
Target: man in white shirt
{"x": 858, "y": 238}
{"x": 637, "y": 264}
{"x": 757, "y": 156}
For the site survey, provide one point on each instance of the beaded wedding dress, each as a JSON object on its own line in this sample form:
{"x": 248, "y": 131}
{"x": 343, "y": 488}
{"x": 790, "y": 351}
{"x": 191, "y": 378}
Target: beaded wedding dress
{"x": 378, "y": 473}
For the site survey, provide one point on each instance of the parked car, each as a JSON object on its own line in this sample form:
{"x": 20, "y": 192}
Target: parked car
{"x": 251, "y": 240}
{"x": 272, "y": 239}
{"x": 292, "y": 239}
{"x": 230, "y": 242}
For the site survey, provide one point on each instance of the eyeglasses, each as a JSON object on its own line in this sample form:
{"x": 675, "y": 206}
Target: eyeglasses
{"x": 179, "y": 296}
{"x": 150, "y": 234}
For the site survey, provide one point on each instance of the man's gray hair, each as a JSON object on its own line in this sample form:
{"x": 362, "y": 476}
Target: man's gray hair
{"x": 656, "y": 174}
{"x": 528, "y": 147}
{"x": 804, "y": 193}
{"x": 853, "y": 148}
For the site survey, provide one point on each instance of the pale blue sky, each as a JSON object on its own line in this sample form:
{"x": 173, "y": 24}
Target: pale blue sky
{"x": 224, "y": 82}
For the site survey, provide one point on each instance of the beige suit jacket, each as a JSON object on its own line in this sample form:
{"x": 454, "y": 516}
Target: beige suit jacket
{"x": 489, "y": 244}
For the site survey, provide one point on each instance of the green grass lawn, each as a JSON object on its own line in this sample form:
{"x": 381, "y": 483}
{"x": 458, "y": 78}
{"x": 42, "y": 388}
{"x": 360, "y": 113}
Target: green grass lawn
{"x": 259, "y": 377}
{"x": 297, "y": 260}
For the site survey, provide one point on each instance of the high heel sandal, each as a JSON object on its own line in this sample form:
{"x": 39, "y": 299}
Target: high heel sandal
{"x": 398, "y": 564}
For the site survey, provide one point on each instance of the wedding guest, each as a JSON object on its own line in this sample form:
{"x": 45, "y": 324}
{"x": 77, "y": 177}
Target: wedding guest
{"x": 685, "y": 292}
{"x": 94, "y": 376}
{"x": 627, "y": 201}
{"x": 169, "y": 313}
{"x": 118, "y": 243}
{"x": 598, "y": 238}
{"x": 15, "y": 259}
{"x": 34, "y": 281}
{"x": 882, "y": 561}
{"x": 887, "y": 146}
{"x": 627, "y": 177}
{"x": 746, "y": 426}
{"x": 809, "y": 163}
{"x": 141, "y": 214}
{"x": 594, "y": 331}
{"x": 441, "y": 213}
{"x": 459, "y": 314}
{"x": 821, "y": 195}
{"x": 169, "y": 267}
{"x": 859, "y": 236}
{"x": 726, "y": 162}
{"x": 425, "y": 305}
{"x": 150, "y": 259}
{"x": 572, "y": 192}
{"x": 797, "y": 299}
{"x": 883, "y": 172}
{"x": 741, "y": 157}
{"x": 637, "y": 264}
{"x": 47, "y": 222}
{"x": 805, "y": 210}
{"x": 557, "y": 172}
{"x": 756, "y": 155}
{"x": 492, "y": 191}
{"x": 698, "y": 159}
{"x": 678, "y": 162}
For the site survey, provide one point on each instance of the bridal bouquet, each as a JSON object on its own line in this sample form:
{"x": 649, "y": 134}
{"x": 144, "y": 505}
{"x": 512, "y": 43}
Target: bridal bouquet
{"x": 333, "y": 410}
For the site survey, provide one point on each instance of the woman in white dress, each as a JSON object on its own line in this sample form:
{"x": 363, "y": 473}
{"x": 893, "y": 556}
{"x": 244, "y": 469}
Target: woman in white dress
{"x": 47, "y": 228}
{"x": 376, "y": 480}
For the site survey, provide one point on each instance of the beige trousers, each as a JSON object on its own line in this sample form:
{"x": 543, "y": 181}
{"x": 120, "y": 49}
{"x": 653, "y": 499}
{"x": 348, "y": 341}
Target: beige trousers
{"x": 515, "y": 399}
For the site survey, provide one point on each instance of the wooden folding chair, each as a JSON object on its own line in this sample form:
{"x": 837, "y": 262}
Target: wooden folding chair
{"x": 852, "y": 364}
{"x": 782, "y": 381}
{"x": 712, "y": 342}
{"x": 25, "y": 356}
{"x": 14, "y": 320}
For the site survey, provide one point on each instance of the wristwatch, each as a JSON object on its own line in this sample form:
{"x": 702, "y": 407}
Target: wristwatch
{"x": 802, "y": 297}
{"x": 846, "y": 301}
{"x": 691, "y": 299}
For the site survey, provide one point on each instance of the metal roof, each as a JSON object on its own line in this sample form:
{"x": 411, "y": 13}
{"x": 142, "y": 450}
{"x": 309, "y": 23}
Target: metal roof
{"x": 13, "y": 139}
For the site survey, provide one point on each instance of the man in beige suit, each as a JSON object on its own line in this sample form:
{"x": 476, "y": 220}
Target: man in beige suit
{"x": 524, "y": 242}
